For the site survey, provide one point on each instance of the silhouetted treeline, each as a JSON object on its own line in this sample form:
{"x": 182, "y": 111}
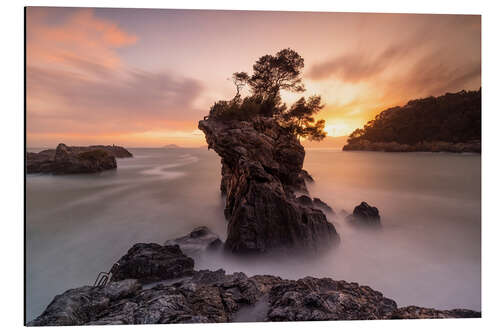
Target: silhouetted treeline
{"x": 453, "y": 117}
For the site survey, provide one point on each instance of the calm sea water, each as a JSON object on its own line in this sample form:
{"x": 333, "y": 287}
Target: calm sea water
{"x": 428, "y": 252}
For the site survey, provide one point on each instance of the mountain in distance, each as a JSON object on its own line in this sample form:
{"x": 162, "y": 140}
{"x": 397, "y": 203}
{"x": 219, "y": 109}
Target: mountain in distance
{"x": 171, "y": 146}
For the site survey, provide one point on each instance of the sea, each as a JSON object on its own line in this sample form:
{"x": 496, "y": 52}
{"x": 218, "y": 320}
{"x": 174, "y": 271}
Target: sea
{"x": 427, "y": 253}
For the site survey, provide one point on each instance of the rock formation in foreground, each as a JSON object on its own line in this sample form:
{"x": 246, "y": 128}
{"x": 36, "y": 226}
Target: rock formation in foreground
{"x": 71, "y": 160}
{"x": 262, "y": 177}
{"x": 215, "y": 297}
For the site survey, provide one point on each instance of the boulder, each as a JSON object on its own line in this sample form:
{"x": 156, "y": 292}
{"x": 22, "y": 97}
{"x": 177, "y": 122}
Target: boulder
{"x": 198, "y": 240}
{"x": 364, "y": 215}
{"x": 261, "y": 175}
{"x": 150, "y": 262}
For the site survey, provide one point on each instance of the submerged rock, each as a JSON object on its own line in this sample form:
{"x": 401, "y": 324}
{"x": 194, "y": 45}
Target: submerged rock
{"x": 152, "y": 262}
{"x": 364, "y": 215}
{"x": 200, "y": 239}
{"x": 261, "y": 174}
{"x": 71, "y": 160}
{"x": 215, "y": 297}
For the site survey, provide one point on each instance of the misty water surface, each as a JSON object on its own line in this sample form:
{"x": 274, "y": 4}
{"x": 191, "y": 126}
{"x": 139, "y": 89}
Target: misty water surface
{"x": 428, "y": 252}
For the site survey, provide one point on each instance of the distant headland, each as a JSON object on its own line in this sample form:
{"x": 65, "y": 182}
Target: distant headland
{"x": 448, "y": 123}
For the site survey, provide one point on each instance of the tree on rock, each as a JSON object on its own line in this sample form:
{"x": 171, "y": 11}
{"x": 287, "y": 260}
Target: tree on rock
{"x": 271, "y": 74}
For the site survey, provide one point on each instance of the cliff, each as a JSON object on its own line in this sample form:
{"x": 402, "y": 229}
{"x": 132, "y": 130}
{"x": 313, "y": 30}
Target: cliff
{"x": 262, "y": 178}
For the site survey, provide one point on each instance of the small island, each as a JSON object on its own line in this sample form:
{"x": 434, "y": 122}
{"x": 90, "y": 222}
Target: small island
{"x": 448, "y": 123}
{"x": 74, "y": 159}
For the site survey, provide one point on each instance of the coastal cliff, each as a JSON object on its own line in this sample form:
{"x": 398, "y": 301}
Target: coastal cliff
{"x": 262, "y": 180}
{"x": 183, "y": 295}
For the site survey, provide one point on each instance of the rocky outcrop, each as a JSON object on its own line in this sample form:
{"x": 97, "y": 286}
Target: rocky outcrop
{"x": 326, "y": 299}
{"x": 215, "y": 297}
{"x": 261, "y": 177}
{"x": 152, "y": 262}
{"x": 316, "y": 203}
{"x": 365, "y": 215}
{"x": 198, "y": 240}
{"x": 71, "y": 160}
{"x": 116, "y": 151}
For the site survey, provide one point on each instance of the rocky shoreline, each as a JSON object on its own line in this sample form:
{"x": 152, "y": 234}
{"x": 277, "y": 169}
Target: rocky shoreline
{"x": 268, "y": 209}
{"x": 181, "y": 294}
{"x": 73, "y": 159}
{"x": 434, "y": 146}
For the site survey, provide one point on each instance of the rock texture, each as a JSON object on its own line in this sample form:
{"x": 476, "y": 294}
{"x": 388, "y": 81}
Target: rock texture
{"x": 198, "y": 240}
{"x": 71, "y": 160}
{"x": 365, "y": 215}
{"x": 215, "y": 297}
{"x": 261, "y": 176}
{"x": 152, "y": 262}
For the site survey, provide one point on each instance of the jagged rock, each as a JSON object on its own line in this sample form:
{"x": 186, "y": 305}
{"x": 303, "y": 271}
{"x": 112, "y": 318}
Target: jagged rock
{"x": 306, "y": 176}
{"x": 305, "y": 200}
{"x": 415, "y": 312}
{"x": 261, "y": 174}
{"x": 200, "y": 239}
{"x": 214, "y": 297}
{"x": 82, "y": 305}
{"x": 150, "y": 262}
{"x": 116, "y": 151}
{"x": 326, "y": 299}
{"x": 364, "y": 215}
{"x": 70, "y": 160}
{"x": 318, "y": 203}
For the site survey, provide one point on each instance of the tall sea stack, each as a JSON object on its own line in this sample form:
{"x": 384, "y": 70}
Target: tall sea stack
{"x": 262, "y": 177}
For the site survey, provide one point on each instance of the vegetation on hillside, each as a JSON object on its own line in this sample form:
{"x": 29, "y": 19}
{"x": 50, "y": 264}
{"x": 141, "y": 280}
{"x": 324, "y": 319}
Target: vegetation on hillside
{"x": 453, "y": 118}
{"x": 271, "y": 74}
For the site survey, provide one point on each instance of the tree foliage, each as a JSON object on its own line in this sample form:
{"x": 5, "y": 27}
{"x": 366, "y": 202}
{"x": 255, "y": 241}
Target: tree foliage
{"x": 274, "y": 73}
{"x": 299, "y": 119}
{"x": 271, "y": 74}
{"x": 451, "y": 118}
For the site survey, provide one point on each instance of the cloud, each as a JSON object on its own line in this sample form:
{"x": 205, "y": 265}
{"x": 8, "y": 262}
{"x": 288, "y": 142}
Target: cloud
{"x": 418, "y": 57}
{"x": 358, "y": 66}
{"x": 78, "y": 85}
{"x": 135, "y": 101}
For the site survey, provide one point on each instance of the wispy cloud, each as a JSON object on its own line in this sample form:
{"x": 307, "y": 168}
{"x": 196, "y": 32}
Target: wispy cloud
{"x": 77, "y": 83}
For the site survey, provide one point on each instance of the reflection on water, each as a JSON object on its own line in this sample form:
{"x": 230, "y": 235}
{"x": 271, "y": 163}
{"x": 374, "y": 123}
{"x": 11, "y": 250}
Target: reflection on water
{"x": 428, "y": 252}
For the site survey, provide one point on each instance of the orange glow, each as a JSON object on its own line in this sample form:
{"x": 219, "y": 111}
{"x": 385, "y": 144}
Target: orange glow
{"x": 145, "y": 77}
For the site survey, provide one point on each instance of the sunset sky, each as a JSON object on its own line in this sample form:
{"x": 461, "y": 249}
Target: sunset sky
{"x": 144, "y": 77}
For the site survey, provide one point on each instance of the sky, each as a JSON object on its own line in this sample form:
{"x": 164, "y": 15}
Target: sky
{"x": 145, "y": 77}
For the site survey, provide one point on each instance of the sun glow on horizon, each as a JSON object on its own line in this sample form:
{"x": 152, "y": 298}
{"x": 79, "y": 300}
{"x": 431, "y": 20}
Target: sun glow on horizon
{"x": 95, "y": 77}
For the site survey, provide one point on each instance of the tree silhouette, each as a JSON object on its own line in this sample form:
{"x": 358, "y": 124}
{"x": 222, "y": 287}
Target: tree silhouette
{"x": 271, "y": 74}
